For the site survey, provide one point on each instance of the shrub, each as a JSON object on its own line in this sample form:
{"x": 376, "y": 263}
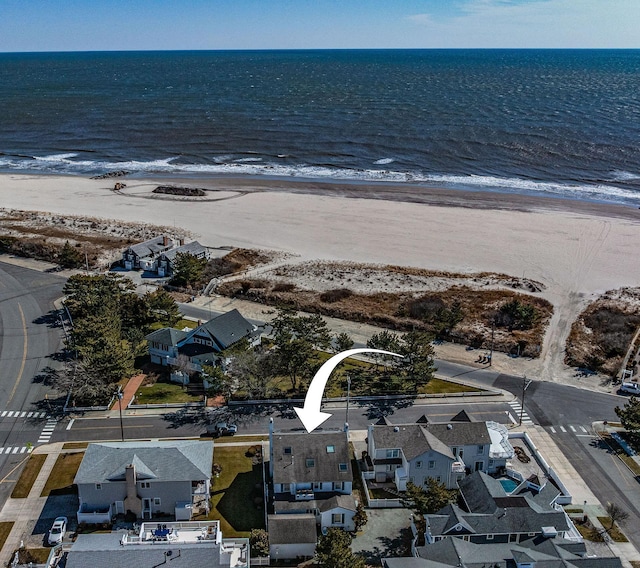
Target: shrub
{"x": 332, "y": 296}
{"x": 284, "y": 287}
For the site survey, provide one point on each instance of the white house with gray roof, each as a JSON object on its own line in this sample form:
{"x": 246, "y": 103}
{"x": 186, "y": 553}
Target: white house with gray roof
{"x": 311, "y": 474}
{"x": 146, "y": 478}
{"x": 202, "y": 345}
{"x": 166, "y": 261}
{"x": 404, "y": 453}
{"x": 292, "y": 536}
{"x": 145, "y": 255}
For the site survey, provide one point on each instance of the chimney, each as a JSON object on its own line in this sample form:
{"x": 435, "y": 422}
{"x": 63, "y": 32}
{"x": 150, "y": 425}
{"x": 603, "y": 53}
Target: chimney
{"x": 165, "y": 241}
{"x": 182, "y": 241}
{"x": 346, "y": 429}
{"x": 132, "y": 502}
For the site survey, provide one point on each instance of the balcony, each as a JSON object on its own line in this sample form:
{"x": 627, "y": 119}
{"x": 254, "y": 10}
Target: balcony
{"x": 458, "y": 467}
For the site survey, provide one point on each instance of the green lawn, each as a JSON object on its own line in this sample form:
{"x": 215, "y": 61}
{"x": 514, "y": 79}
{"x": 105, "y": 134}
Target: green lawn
{"x": 615, "y": 533}
{"x": 440, "y": 386}
{"x": 619, "y": 451}
{"x": 61, "y": 476}
{"x": 28, "y": 476}
{"x": 164, "y": 393}
{"x": 234, "y": 492}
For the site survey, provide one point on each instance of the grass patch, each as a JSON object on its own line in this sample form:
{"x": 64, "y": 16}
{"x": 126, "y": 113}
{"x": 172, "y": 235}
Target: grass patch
{"x": 61, "y": 477}
{"x": 573, "y": 510}
{"x": 589, "y": 532}
{"x": 28, "y": 476}
{"x": 378, "y": 493}
{"x": 234, "y": 492}
{"x": 35, "y": 555}
{"x": 635, "y": 563}
{"x": 164, "y": 393}
{"x": 75, "y": 445}
{"x": 440, "y": 386}
{"x": 5, "y": 529}
{"x": 619, "y": 451}
{"x": 249, "y": 439}
{"x": 615, "y": 533}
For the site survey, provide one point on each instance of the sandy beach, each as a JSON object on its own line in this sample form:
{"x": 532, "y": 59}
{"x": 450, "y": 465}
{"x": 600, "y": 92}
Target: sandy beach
{"x": 576, "y": 249}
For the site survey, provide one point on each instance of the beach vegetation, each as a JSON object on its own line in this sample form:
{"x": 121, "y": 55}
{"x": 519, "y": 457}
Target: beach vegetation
{"x": 342, "y": 342}
{"x": 603, "y": 333}
{"x": 516, "y": 314}
{"x": 70, "y": 256}
{"x": 629, "y": 416}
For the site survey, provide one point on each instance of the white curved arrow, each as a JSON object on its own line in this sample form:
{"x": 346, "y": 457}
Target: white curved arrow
{"x": 311, "y": 416}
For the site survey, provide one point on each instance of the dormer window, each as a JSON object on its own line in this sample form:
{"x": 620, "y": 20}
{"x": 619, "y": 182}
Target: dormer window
{"x": 331, "y": 449}
{"x": 310, "y": 462}
{"x": 343, "y": 467}
{"x": 287, "y": 451}
{"x": 393, "y": 453}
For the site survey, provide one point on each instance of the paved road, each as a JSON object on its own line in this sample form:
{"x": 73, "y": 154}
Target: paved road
{"x": 28, "y": 338}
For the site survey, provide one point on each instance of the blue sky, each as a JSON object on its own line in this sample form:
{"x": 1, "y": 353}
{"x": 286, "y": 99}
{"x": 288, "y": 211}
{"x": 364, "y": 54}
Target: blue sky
{"x": 79, "y": 25}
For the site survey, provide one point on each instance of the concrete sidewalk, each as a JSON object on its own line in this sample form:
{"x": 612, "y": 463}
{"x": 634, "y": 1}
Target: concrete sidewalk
{"x": 25, "y": 512}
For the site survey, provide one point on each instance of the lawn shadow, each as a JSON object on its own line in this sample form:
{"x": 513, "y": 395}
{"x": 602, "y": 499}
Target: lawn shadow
{"x": 242, "y": 504}
{"x": 58, "y": 505}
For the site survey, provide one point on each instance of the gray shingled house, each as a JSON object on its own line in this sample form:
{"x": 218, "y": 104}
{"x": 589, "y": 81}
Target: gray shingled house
{"x": 202, "y": 345}
{"x": 311, "y": 474}
{"x": 403, "y": 453}
{"x": 146, "y": 478}
{"x": 490, "y": 515}
{"x": 145, "y": 255}
{"x": 166, "y": 261}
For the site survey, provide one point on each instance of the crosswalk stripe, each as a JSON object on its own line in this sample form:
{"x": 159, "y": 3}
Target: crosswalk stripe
{"x": 15, "y": 450}
{"x": 572, "y": 428}
{"x": 24, "y": 413}
{"x": 10, "y": 414}
{"x": 562, "y": 428}
{"x": 4, "y": 414}
{"x": 23, "y": 449}
{"x": 583, "y": 429}
{"x": 553, "y": 430}
{"x": 30, "y": 414}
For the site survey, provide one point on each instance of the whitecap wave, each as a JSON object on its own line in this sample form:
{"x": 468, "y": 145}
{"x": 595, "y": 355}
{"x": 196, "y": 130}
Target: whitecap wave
{"x": 383, "y": 161}
{"x": 55, "y": 157}
{"x": 621, "y": 175}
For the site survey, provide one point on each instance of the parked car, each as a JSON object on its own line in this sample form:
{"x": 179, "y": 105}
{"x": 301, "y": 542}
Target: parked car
{"x": 222, "y": 429}
{"x": 57, "y": 530}
{"x": 630, "y": 388}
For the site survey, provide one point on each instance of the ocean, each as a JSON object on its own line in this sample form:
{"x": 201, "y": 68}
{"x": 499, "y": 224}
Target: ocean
{"x": 562, "y": 123}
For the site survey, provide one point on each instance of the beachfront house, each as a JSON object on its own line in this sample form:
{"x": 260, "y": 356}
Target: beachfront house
{"x": 202, "y": 345}
{"x": 166, "y": 261}
{"x": 145, "y": 478}
{"x": 144, "y": 256}
{"x": 403, "y": 453}
{"x": 311, "y": 474}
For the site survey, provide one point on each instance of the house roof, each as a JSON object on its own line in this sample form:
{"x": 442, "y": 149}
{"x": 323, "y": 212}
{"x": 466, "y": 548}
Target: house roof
{"x": 194, "y": 248}
{"x": 151, "y": 247}
{"x": 228, "y": 328}
{"x": 291, "y": 466}
{"x": 292, "y": 529}
{"x": 461, "y": 433}
{"x": 167, "y": 336}
{"x": 105, "y": 551}
{"x": 413, "y": 439}
{"x": 339, "y": 501}
{"x": 462, "y": 416}
{"x": 544, "y": 552}
{"x": 176, "y": 460}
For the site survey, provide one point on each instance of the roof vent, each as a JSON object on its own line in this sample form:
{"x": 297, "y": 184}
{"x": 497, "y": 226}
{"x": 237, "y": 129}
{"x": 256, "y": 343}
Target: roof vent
{"x": 449, "y": 427}
{"x": 396, "y": 429}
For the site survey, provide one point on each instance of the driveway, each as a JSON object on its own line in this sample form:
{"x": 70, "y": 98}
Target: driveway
{"x": 387, "y": 533}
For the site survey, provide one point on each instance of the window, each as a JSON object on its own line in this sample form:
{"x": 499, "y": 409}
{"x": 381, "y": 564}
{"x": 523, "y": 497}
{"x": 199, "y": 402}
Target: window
{"x": 286, "y": 487}
{"x": 454, "y": 451}
{"x": 337, "y": 519}
{"x": 393, "y": 453}
{"x": 491, "y": 463}
{"x": 411, "y": 480}
{"x": 331, "y": 449}
{"x": 156, "y": 501}
{"x": 531, "y": 534}
{"x": 144, "y": 485}
{"x": 310, "y": 462}
{"x": 98, "y": 486}
{"x": 342, "y": 467}
{"x": 418, "y": 465}
{"x": 479, "y": 466}
{"x": 439, "y": 478}
{"x": 338, "y": 485}
{"x": 461, "y": 453}
{"x": 317, "y": 486}
{"x": 513, "y": 538}
{"x": 432, "y": 464}
{"x": 287, "y": 451}
{"x": 489, "y": 537}
{"x": 480, "y": 449}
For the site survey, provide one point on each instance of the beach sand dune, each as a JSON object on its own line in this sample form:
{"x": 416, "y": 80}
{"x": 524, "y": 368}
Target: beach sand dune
{"x": 577, "y": 250}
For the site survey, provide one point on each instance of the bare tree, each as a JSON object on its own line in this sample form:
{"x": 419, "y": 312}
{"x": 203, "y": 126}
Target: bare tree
{"x": 617, "y": 514}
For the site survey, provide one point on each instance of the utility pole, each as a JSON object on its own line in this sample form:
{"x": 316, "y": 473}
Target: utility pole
{"x": 525, "y": 386}
{"x": 493, "y": 333}
{"x": 348, "y": 393}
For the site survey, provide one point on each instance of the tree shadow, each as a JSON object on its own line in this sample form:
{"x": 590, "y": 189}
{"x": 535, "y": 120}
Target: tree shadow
{"x": 242, "y": 504}
{"x": 51, "y": 319}
{"x": 381, "y": 408}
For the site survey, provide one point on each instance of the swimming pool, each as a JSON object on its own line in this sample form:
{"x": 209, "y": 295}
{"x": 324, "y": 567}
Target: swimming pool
{"x": 508, "y": 484}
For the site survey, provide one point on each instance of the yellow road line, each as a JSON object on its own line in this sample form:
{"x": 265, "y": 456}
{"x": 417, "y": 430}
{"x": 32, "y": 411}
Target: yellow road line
{"x": 24, "y": 354}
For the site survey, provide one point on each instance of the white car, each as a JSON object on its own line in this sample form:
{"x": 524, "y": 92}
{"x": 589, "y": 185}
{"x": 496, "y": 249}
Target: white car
{"x": 56, "y": 533}
{"x": 630, "y": 388}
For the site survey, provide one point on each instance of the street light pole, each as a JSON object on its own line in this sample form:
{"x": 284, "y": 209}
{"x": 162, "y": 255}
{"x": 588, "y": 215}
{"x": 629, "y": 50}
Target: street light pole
{"x": 120, "y": 409}
{"x": 493, "y": 332}
{"x": 525, "y": 385}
